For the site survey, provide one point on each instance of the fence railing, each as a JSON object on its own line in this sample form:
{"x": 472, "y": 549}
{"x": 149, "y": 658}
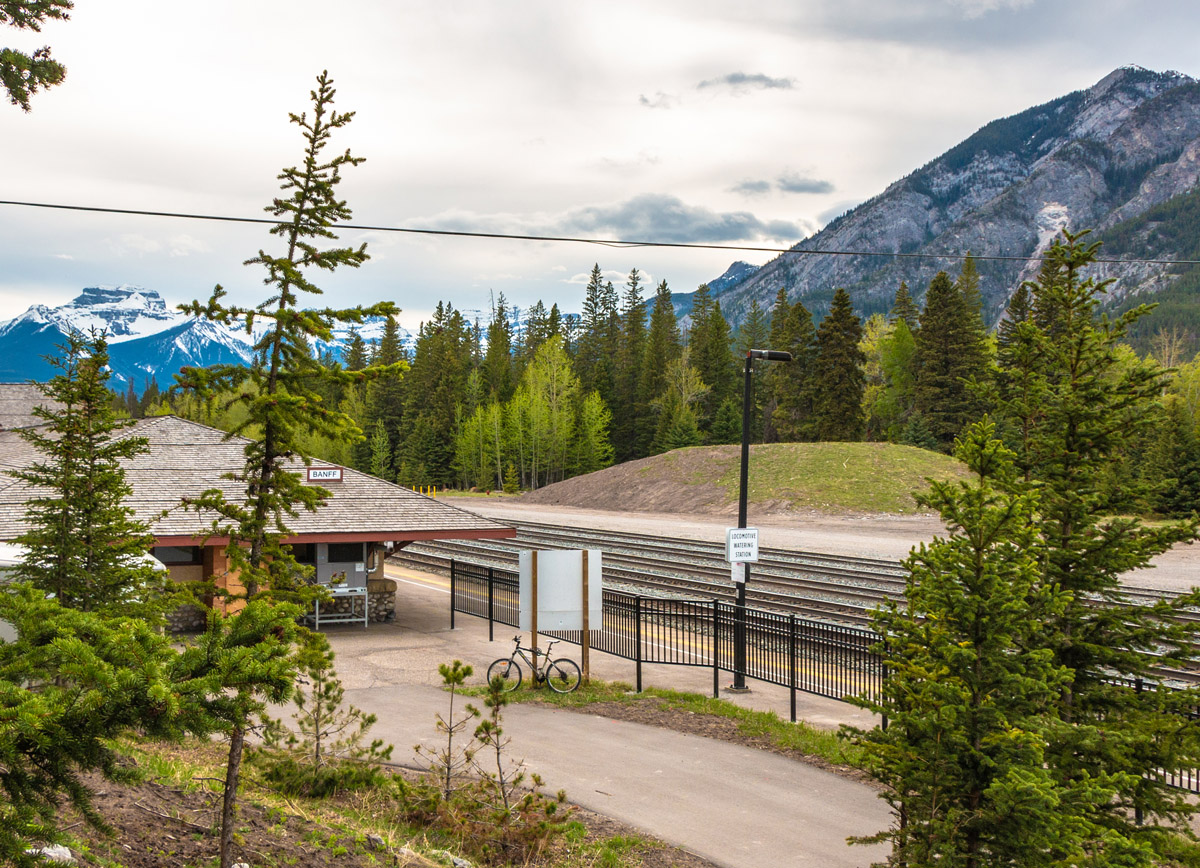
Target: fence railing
{"x": 828, "y": 660}
{"x": 809, "y": 656}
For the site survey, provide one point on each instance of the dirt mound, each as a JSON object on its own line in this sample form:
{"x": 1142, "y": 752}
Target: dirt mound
{"x": 679, "y": 481}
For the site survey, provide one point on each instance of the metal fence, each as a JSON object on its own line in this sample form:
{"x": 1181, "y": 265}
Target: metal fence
{"x": 810, "y": 656}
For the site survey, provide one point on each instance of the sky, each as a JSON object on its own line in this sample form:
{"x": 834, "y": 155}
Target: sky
{"x": 747, "y": 123}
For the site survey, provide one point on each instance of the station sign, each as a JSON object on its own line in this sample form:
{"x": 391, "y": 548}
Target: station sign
{"x": 325, "y": 474}
{"x": 741, "y": 544}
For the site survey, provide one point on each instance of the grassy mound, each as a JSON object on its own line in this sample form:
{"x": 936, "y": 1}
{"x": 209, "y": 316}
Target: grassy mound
{"x": 823, "y": 477}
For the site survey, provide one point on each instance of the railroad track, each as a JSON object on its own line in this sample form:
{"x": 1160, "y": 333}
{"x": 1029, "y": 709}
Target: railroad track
{"x": 813, "y": 585}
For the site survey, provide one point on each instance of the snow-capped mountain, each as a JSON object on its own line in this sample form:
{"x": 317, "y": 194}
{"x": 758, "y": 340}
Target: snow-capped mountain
{"x": 147, "y": 339}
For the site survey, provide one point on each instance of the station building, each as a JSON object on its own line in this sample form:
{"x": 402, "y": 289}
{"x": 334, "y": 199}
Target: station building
{"x": 346, "y": 541}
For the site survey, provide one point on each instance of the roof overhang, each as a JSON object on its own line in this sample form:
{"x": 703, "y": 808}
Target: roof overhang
{"x": 371, "y": 536}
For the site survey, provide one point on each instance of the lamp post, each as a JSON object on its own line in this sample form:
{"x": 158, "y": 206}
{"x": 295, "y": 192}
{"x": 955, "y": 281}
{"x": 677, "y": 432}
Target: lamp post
{"x": 739, "y": 623}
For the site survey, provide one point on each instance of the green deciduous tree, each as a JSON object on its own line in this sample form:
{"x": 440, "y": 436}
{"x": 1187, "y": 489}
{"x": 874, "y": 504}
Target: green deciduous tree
{"x": 82, "y": 542}
{"x": 21, "y": 74}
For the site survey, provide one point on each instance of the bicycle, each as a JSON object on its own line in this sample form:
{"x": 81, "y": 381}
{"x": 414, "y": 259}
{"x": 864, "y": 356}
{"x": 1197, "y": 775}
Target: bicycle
{"x": 562, "y": 674}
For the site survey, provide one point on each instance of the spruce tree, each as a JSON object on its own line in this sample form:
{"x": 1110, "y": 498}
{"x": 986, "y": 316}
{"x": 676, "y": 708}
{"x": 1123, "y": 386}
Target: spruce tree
{"x": 950, "y": 355}
{"x": 21, "y": 74}
{"x": 82, "y": 541}
{"x": 971, "y": 696}
{"x": 662, "y": 346}
{"x": 793, "y": 386}
{"x": 356, "y": 351}
{"x": 72, "y": 684}
{"x": 626, "y": 408}
{"x": 497, "y": 360}
{"x": 904, "y": 308}
{"x": 753, "y": 333}
{"x": 713, "y": 358}
{"x": 1074, "y": 401}
{"x": 280, "y": 408}
{"x": 837, "y": 381}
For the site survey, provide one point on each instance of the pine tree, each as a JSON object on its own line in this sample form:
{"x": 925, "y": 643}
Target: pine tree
{"x": 21, "y": 74}
{"x": 626, "y": 409}
{"x": 75, "y": 683}
{"x": 837, "y": 381}
{"x": 791, "y": 387}
{"x": 497, "y": 361}
{"x": 280, "y": 407}
{"x": 1074, "y": 401}
{"x": 950, "y": 354}
{"x": 1173, "y": 463}
{"x": 82, "y": 542}
{"x": 753, "y": 333}
{"x": 662, "y": 346}
{"x": 356, "y": 351}
{"x": 971, "y": 696}
{"x": 712, "y": 356}
{"x": 904, "y": 308}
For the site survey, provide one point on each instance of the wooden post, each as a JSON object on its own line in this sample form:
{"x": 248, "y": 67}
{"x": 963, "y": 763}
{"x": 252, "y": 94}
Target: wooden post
{"x": 587, "y": 636}
{"x": 533, "y": 602}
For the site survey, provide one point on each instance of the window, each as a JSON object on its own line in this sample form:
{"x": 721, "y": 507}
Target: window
{"x": 178, "y": 556}
{"x": 304, "y": 553}
{"x": 345, "y": 553}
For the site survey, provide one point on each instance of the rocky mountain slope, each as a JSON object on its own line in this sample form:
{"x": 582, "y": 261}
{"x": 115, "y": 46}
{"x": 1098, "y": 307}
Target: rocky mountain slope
{"x": 1096, "y": 158}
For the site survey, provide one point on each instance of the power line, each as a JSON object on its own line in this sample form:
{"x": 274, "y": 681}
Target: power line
{"x": 606, "y": 242}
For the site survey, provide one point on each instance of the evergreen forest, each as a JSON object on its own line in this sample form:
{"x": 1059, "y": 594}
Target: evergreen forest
{"x": 533, "y": 397}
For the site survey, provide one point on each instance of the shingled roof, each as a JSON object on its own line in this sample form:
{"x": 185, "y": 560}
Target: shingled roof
{"x": 17, "y": 401}
{"x": 186, "y": 459}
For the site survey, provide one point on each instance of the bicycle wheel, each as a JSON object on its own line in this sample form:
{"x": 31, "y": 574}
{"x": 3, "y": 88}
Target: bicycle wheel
{"x": 562, "y": 675}
{"x": 508, "y": 671}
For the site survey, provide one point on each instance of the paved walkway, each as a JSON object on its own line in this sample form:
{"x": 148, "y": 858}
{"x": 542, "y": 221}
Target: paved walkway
{"x": 735, "y": 806}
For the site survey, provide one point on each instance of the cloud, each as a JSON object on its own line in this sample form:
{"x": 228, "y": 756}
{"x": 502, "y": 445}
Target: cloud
{"x": 741, "y": 82}
{"x": 751, "y": 188}
{"x": 978, "y": 8}
{"x": 664, "y": 218}
{"x": 616, "y": 278}
{"x": 660, "y": 101}
{"x": 647, "y": 217}
{"x": 790, "y": 182}
{"x": 63, "y": 256}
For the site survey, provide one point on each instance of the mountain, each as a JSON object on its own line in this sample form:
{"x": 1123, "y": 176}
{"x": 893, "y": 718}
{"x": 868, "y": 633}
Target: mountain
{"x": 1096, "y": 158}
{"x": 147, "y": 340}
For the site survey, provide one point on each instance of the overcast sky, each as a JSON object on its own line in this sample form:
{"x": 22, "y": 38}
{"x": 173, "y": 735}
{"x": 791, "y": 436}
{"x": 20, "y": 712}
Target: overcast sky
{"x": 704, "y": 121}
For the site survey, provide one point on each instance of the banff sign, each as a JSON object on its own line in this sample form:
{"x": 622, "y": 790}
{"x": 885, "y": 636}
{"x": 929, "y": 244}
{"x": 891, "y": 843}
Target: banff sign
{"x": 324, "y": 474}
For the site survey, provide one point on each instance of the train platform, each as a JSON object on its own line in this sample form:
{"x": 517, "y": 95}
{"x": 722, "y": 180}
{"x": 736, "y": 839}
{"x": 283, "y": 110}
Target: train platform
{"x": 733, "y": 805}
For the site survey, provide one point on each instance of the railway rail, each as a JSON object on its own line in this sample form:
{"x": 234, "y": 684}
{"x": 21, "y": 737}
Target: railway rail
{"x": 822, "y": 587}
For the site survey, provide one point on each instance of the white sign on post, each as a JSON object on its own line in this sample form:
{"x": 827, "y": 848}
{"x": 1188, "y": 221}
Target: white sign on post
{"x": 737, "y": 571}
{"x": 560, "y": 590}
{"x": 741, "y": 544}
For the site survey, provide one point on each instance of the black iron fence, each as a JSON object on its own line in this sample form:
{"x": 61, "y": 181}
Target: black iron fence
{"x": 810, "y": 656}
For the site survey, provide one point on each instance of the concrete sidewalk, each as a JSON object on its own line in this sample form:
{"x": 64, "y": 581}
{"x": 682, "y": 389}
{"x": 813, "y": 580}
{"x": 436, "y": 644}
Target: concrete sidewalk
{"x": 733, "y": 805}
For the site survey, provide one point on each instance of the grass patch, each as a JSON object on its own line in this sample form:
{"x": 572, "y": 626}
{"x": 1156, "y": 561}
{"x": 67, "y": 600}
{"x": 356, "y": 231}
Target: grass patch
{"x": 767, "y": 725}
{"x": 841, "y": 477}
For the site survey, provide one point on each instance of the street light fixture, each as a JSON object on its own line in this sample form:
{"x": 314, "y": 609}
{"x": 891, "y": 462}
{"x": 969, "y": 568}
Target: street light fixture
{"x": 739, "y": 624}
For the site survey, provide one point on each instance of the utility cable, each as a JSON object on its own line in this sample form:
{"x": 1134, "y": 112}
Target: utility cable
{"x": 606, "y": 242}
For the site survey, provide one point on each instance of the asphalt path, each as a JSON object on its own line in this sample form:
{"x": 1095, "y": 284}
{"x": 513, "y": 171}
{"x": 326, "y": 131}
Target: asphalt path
{"x": 736, "y": 806}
